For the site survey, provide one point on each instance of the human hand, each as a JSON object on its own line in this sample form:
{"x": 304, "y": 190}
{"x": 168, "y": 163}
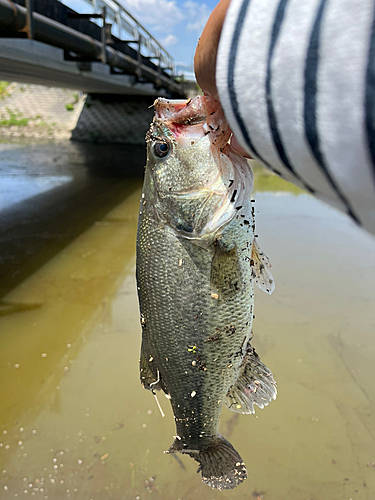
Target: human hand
{"x": 205, "y": 59}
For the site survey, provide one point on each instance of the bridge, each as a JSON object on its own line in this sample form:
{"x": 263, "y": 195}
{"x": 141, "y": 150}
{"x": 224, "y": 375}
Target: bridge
{"x": 104, "y": 50}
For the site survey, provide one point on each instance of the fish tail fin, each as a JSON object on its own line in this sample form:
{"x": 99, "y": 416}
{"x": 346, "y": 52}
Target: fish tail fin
{"x": 221, "y": 466}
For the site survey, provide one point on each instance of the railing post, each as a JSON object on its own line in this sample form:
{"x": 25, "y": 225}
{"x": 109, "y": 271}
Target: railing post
{"x": 30, "y": 18}
{"x": 104, "y": 37}
{"x": 118, "y": 22}
{"x": 139, "y": 55}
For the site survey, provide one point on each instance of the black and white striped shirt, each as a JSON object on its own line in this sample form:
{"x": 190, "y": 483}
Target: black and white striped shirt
{"x": 296, "y": 79}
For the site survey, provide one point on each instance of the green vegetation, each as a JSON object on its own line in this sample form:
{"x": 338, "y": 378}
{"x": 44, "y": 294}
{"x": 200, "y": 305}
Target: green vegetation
{"x": 3, "y": 86}
{"x": 14, "y": 119}
{"x": 70, "y": 105}
{"x": 3, "y": 91}
{"x": 264, "y": 180}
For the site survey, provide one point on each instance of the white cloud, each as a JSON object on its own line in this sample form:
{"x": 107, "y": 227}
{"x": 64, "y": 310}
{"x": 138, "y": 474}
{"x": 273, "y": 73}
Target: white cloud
{"x": 169, "y": 40}
{"x": 163, "y": 15}
{"x": 198, "y": 13}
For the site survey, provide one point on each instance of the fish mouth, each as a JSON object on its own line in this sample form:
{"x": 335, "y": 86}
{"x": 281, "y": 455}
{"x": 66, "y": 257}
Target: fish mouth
{"x": 181, "y": 111}
{"x": 196, "y": 117}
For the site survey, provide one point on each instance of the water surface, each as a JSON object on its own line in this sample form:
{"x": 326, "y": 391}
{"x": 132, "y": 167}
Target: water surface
{"x": 74, "y": 419}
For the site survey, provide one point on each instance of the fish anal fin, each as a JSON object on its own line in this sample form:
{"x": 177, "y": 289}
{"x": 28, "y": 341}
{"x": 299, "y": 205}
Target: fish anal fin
{"x": 261, "y": 265}
{"x": 150, "y": 377}
{"x": 255, "y": 385}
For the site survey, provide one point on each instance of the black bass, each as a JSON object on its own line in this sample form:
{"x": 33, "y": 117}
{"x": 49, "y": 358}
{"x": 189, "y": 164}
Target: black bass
{"x": 197, "y": 262}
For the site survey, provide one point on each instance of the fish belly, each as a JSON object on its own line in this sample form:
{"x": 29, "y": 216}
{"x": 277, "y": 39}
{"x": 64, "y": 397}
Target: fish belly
{"x": 196, "y": 312}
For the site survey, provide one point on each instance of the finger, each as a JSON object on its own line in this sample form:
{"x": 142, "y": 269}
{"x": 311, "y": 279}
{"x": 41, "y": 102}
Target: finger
{"x": 206, "y": 52}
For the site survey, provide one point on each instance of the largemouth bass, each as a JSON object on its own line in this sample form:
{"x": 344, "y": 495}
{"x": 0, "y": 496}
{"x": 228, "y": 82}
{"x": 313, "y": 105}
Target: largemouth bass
{"x": 197, "y": 262}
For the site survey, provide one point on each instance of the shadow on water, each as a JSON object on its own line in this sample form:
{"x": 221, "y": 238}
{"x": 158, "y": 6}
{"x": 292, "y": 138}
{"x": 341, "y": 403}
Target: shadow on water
{"x": 74, "y": 420}
{"x": 96, "y": 179}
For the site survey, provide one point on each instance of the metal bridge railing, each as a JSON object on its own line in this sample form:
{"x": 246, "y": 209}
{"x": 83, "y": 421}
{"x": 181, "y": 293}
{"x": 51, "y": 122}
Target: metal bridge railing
{"x": 124, "y": 26}
{"x": 107, "y": 37}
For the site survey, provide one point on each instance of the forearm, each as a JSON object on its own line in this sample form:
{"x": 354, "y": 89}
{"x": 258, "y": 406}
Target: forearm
{"x": 296, "y": 83}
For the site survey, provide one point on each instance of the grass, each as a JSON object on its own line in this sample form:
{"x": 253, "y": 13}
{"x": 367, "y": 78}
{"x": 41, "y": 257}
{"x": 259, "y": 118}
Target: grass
{"x": 15, "y": 119}
{"x": 3, "y": 85}
{"x": 3, "y": 89}
{"x": 264, "y": 180}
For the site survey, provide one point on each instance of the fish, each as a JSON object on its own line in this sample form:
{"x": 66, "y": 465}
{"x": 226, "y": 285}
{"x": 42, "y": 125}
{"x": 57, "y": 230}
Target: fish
{"x": 197, "y": 262}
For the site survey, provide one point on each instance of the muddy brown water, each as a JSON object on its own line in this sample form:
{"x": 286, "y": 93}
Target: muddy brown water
{"x": 75, "y": 422}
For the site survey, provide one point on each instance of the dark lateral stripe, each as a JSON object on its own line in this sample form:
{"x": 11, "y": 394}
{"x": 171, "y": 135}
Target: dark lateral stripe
{"x": 276, "y": 29}
{"x": 230, "y": 81}
{"x": 370, "y": 97}
{"x": 310, "y": 106}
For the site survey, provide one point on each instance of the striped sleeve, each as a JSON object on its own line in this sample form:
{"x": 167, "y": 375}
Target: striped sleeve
{"x": 297, "y": 84}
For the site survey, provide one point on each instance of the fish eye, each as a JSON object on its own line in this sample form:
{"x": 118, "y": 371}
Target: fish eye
{"x": 160, "y": 149}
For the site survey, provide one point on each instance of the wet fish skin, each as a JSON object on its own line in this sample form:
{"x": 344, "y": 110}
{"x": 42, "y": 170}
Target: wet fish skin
{"x": 196, "y": 284}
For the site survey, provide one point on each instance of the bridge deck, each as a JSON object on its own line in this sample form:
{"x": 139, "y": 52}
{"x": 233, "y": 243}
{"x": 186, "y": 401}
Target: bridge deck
{"x": 28, "y": 61}
{"x": 43, "y": 60}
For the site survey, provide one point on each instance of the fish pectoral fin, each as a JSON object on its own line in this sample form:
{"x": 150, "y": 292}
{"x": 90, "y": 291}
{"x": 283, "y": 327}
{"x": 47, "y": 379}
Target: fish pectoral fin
{"x": 150, "y": 376}
{"x": 255, "y": 385}
{"x": 225, "y": 271}
{"x": 261, "y": 265}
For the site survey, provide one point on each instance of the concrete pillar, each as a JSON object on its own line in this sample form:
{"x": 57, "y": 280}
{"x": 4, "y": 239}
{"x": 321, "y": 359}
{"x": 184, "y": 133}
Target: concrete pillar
{"x": 114, "y": 119}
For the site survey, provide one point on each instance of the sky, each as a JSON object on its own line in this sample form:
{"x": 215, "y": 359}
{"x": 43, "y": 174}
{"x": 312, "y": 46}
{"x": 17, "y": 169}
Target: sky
{"x": 176, "y": 24}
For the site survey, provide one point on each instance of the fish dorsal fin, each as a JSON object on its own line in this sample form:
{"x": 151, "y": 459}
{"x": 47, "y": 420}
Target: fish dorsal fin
{"x": 261, "y": 265}
{"x": 255, "y": 385}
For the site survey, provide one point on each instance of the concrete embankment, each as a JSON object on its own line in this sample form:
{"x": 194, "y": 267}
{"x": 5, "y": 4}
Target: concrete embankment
{"x": 38, "y": 112}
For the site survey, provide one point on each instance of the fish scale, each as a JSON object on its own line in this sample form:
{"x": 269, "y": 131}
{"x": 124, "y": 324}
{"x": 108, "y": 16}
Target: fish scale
{"x": 196, "y": 291}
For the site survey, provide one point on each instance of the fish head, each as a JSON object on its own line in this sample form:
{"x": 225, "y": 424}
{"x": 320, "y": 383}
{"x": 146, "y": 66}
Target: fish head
{"x": 197, "y": 178}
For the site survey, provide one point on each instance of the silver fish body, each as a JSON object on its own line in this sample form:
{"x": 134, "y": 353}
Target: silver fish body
{"x": 195, "y": 275}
